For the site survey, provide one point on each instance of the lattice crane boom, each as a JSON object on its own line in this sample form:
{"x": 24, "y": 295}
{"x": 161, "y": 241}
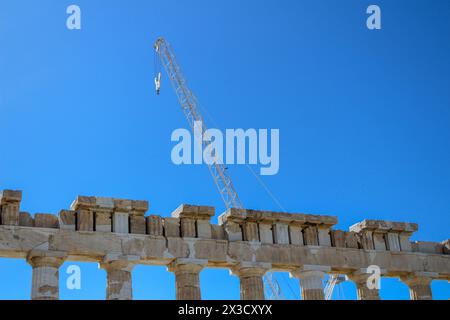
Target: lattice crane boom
{"x": 189, "y": 105}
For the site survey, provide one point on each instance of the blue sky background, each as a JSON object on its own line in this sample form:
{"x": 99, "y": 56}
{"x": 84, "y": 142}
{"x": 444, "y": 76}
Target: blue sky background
{"x": 364, "y": 116}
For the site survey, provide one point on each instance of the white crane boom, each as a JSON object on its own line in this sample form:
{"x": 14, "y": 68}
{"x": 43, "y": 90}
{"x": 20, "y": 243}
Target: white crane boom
{"x": 334, "y": 279}
{"x": 190, "y": 107}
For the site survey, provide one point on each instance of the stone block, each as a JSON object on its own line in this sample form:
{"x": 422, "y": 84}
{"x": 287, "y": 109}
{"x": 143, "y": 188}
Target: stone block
{"x": 265, "y": 233}
{"x": 10, "y": 207}
{"x": 177, "y": 247}
{"x": 85, "y": 220}
{"x": 217, "y": 232}
{"x": 45, "y": 220}
{"x": 385, "y": 235}
{"x": 446, "y": 246}
{"x": 379, "y": 241}
{"x": 323, "y": 233}
{"x": 103, "y": 221}
{"x": 83, "y": 202}
{"x": 233, "y": 215}
{"x": 273, "y": 217}
{"x": 187, "y": 228}
{"x": 139, "y": 207}
{"x": 338, "y": 238}
{"x": 121, "y": 205}
{"x": 120, "y": 222}
{"x": 393, "y": 241}
{"x": 211, "y": 250}
{"x": 106, "y": 203}
{"x": 366, "y": 240}
{"x": 250, "y": 231}
{"x": 351, "y": 240}
{"x": 296, "y": 235}
{"x": 429, "y": 247}
{"x": 10, "y": 196}
{"x": 233, "y": 231}
{"x": 133, "y": 207}
{"x": 137, "y": 224}
{"x": 10, "y": 214}
{"x": 193, "y": 212}
{"x": 384, "y": 226}
{"x": 171, "y": 227}
{"x": 25, "y": 219}
{"x": 310, "y": 236}
{"x": 405, "y": 244}
{"x": 154, "y": 225}
{"x": 281, "y": 233}
{"x": 204, "y": 229}
{"x": 67, "y": 220}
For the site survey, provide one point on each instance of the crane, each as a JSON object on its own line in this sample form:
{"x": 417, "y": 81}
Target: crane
{"x": 335, "y": 279}
{"x": 189, "y": 105}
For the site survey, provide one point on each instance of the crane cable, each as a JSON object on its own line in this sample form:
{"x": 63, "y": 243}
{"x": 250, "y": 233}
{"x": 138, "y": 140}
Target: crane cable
{"x": 265, "y": 187}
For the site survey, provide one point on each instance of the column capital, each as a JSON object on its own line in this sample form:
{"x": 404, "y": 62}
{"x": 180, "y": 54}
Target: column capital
{"x": 362, "y": 274}
{"x": 45, "y": 279}
{"x": 187, "y": 277}
{"x": 308, "y": 270}
{"x": 419, "y": 284}
{"x": 38, "y": 258}
{"x": 419, "y": 278}
{"x": 248, "y": 269}
{"x": 119, "y": 262}
{"x": 187, "y": 265}
{"x": 251, "y": 279}
{"x": 366, "y": 291}
{"x": 311, "y": 277}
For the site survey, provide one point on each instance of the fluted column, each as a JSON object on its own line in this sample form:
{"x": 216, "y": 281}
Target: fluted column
{"x": 311, "y": 281}
{"x": 118, "y": 273}
{"x": 187, "y": 278}
{"x": 419, "y": 284}
{"x": 251, "y": 279}
{"x": 45, "y": 278}
{"x": 365, "y": 290}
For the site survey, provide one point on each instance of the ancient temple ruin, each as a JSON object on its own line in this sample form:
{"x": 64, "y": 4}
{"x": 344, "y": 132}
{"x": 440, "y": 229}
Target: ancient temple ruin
{"x": 118, "y": 235}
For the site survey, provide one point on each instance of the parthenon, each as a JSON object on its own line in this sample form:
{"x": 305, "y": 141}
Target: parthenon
{"x": 119, "y": 235}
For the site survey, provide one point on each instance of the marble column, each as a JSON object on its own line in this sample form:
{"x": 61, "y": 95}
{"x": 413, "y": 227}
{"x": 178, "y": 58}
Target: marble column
{"x": 311, "y": 277}
{"x": 251, "y": 280}
{"x": 118, "y": 274}
{"x": 365, "y": 290}
{"x": 419, "y": 284}
{"x": 45, "y": 278}
{"x": 187, "y": 278}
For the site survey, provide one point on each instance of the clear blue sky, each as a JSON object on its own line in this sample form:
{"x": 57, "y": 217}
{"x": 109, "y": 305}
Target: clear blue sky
{"x": 364, "y": 116}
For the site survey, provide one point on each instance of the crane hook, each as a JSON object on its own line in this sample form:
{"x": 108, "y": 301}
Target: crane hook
{"x": 158, "y": 83}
